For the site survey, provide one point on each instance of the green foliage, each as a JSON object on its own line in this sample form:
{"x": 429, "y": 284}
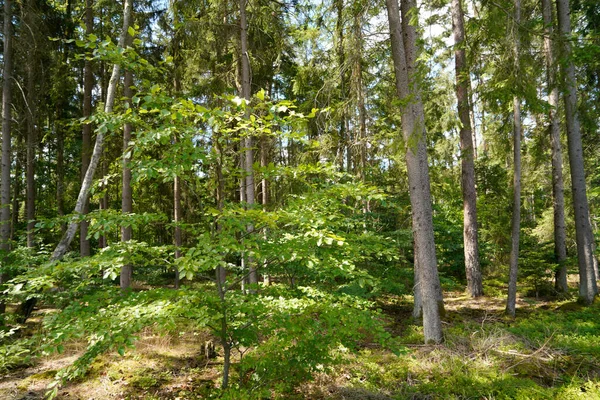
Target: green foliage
{"x": 14, "y": 353}
{"x": 537, "y": 264}
{"x": 305, "y": 334}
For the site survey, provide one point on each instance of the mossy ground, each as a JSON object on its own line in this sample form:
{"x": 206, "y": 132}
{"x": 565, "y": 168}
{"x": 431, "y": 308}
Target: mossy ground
{"x": 550, "y": 351}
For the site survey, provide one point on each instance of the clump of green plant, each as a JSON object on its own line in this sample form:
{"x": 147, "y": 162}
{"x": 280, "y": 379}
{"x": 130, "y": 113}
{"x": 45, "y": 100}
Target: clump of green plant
{"x": 14, "y": 352}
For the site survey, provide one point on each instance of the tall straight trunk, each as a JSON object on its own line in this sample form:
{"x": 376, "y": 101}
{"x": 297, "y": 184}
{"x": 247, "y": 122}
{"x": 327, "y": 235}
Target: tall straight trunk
{"x": 5, "y": 219}
{"x": 18, "y": 183}
{"x": 67, "y": 238}
{"x": 127, "y": 195}
{"x": 221, "y": 273}
{"x": 341, "y": 56}
{"x": 560, "y": 236}
{"x": 86, "y": 132}
{"x": 404, "y": 56}
{"x": 60, "y": 172}
{"x": 516, "y": 213}
{"x": 360, "y": 93}
{"x": 583, "y": 230}
{"x": 264, "y": 184}
{"x": 410, "y": 38}
{"x": 471, "y": 244}
{"x": 31, "y": 152}
{"x": 177, "y": 180}
{"x": 103, "y": 202}
{"x": 177, "y": 219}
{"x": 59, "y": 113}
{"x": 249, "y": 142}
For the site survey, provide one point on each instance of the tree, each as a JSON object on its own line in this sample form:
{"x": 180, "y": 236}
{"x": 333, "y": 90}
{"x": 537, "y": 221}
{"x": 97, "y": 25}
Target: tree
{"x": 86, "y": 185}
{"x": 588, "y": 288}
{"x": 127, "y": 195}
{"x": 407, "y": 88}
{"x": 560, "y": 236}
{"x": 248, "y": 154}
{"x": 86, "y": 133}
{"x": 5, "y": 218}
{"x": 516, "y": 210}
{"x": 471, "y": 243}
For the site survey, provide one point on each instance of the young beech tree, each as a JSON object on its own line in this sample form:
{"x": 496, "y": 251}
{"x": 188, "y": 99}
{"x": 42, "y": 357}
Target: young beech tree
{"x": 413, "y": 127}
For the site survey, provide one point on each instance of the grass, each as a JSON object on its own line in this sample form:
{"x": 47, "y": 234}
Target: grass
{"x": 550, "y": 351}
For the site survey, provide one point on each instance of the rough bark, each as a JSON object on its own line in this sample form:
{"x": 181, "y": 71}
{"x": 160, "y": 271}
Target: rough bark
{"x": 471, "y": 243}
{"x": 5, "y": 219}
{"x": 583, "y": 230}
{"x": 560, "y": 236}
{"x": 404, "y": 58}
{"x": 67, "y": 238}
{"x": 516, "y": 213}
{"x": 127, "y": 195}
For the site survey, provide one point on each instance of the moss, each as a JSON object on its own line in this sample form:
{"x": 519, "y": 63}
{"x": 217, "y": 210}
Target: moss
{"x": 24, "y": 384}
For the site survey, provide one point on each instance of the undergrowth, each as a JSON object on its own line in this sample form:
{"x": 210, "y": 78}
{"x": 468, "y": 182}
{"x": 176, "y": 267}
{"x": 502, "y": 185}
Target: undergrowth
{"x": 550, "y": 351}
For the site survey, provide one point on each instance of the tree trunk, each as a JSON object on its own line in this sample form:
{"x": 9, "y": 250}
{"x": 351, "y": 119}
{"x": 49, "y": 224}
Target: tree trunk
{"x": 18, "y": 182}
{"x": 67, "y": 238}
{"x": 516, "y": 214}
{"x": 341, "y": 56}
{"x": 60, "y": 172}
{"x": 264, "y": 161}
{"x": 583, "y": 230}
{"x": 471, "y": 244}
{"x": 249, "y": 142}
{"x": 413, "y": 127}
{"x": 86, "y": 134}
{"x": 177, "y": 181}
{"x": 5, "y": 219}
{"x": 31, "y": 112}
{"x": 104, "y": 200}
{"x": 127, "y": 195}
{"x": 560, "y": 236}
{"x": 360, "y": 92}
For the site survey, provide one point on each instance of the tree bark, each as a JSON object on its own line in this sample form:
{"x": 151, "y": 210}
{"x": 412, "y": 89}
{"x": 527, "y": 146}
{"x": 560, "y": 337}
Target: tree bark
{"x": 583, "y": 230}
{"x": 67, "y": 238}
{"x": 516, "y": 213}
{"x": 560, "y": 236}
{"x": 5, "y": 219}
{"x": 471, "y": 244}
{"x": 127, "y": 195}
{"x": 86, "y": 133}
{"x": 413, "y": 127}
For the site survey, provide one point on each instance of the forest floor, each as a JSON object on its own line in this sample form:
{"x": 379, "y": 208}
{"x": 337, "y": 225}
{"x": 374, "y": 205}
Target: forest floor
{"x": 551, "y": 350}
